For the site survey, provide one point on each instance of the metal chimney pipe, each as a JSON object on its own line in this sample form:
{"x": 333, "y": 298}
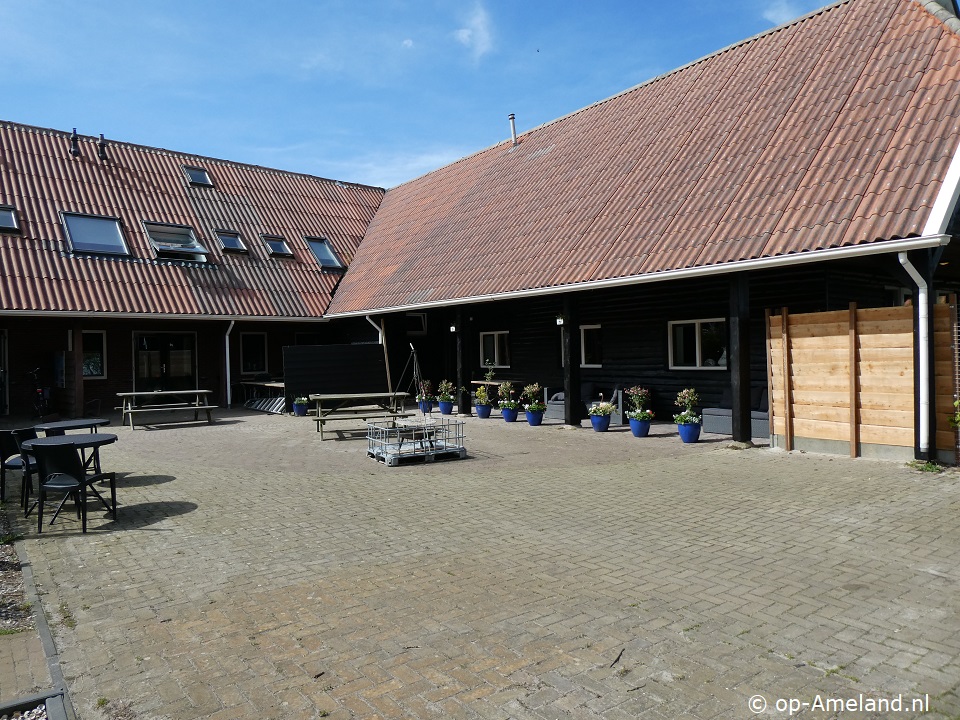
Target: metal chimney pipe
{"x": 513, "y": 129}
{"x": 75, "y": 143}
{"x": 102, "y": 148}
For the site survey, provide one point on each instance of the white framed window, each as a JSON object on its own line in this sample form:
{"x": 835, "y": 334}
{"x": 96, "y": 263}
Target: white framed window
{"x": 230, "y": 241}
{"x": 8, "y": 219}
{"x": 94, "y": 354}
{"x": 495, "y": 349}
{"x": 324, "y": 253}
{"x": 591, "y": 355}
{"x": 415, "y": 323}
{"x": 197, "y": 176}
{"x": 277, "y": 245}
{"x": 175, "y": 241}
{"x": 253, "y": 353}
{"x": 698, "y": 344}
{"x": 94, "y": 234}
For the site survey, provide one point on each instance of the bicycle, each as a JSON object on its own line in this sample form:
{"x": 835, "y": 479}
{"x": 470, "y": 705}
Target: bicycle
{"x": 40, "y": 405}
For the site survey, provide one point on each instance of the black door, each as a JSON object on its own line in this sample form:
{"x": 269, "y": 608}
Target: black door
{"x": 165, "y": 361}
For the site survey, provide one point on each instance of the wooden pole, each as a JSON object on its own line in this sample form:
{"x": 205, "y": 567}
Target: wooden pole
{"x": 769, "y": 336}
{"x": 787, "y": 394}
{"x": 854, "y": 383}
{"x": 386, "y": 356}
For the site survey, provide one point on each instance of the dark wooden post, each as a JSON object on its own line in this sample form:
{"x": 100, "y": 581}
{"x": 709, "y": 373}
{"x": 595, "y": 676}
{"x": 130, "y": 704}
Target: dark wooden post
{"x": 739, "y": 356}
{"x": 572, "y": 412}
{"x": 463, "y": 395}
{"x": 76, "y": 367}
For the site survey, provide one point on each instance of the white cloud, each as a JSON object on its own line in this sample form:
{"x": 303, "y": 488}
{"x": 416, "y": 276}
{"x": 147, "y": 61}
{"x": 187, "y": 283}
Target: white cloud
{"x": 476, "y": 35}
{"x": 781, "y": 11}
{"x": 408, "y": 43}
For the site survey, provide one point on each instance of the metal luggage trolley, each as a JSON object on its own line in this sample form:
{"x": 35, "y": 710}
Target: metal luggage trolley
{"x": 427, "y": 438}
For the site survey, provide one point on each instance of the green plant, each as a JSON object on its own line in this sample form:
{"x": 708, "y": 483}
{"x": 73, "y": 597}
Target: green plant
{"x": 301, "y": 400}
{"x": 925, "y": 466}
{"x": 955, "y": 418}
{"x": 686, "y": 399}
{"x": 645, "y": 415}
{"x": 482, "y": 397}
{"x": 533, "y": 394}
{"x": 445, "y": 391}
{"x": 425, "y": 393}
{"x": 505, "y": 392}
{"x": 639, "y": 397}
{"x": 601, "y": 408}
{"x": 488, "y": 376}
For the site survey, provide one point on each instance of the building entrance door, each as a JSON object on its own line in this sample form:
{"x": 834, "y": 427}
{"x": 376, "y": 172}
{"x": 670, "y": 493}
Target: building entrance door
{"x": 165, "y": 361}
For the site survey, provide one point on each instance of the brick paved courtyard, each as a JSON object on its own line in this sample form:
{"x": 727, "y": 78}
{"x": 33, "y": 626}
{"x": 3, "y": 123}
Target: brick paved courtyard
{"x": 255, "y": 572}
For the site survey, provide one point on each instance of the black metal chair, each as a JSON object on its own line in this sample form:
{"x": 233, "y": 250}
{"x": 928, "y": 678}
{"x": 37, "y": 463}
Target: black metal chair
{"x": 21, "y": 435}
{"x": 61, "y": 470}
{"x": 12, "y": 460}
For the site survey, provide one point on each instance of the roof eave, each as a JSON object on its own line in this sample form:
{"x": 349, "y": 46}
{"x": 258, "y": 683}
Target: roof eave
{"x": 841, "y": 253}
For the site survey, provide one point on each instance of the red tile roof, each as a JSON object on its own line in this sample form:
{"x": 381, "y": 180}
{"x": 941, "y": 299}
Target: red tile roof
{"x": 829, "y": 132}
{"x": 40, "y": 177}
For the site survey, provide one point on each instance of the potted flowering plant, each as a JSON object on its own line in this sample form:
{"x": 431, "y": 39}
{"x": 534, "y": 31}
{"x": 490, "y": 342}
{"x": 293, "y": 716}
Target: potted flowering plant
{"x": 688, "y": 422}
{"x": 482, "y": 402}
{"x": 534, "y": 406}
{"x": 425, "y": 396}
{"x": 600, "y": 415}
{"x": 300, "y": 405}
{"x": 508, "y": 406}
{"x": 638, "y": 415}
{"x": 445, "y": 397}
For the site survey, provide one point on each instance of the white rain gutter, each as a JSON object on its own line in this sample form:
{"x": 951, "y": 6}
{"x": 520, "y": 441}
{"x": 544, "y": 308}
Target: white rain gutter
{"x": 376, "y": 327}
{"x": 806, "y": 257}
{"x": 923, "y": 314}
{"x": 226, "y": 345}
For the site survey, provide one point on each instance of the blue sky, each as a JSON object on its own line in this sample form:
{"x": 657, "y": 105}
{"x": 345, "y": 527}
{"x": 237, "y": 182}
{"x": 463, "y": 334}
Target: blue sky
{"x": 375, "y": 91}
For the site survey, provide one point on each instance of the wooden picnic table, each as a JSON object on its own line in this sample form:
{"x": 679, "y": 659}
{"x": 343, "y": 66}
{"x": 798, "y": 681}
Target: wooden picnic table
{"x": 200, "y": 402}
{"x": 372, "y": 405}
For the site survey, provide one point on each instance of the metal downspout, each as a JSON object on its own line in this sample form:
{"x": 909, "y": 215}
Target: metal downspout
{"x": 376, "y": 327}
{"x": 226, "y": 344}
{"x": 923, "y": 313}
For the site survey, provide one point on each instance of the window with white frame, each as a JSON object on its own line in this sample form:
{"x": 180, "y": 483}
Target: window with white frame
{"x": 495, "y": 348}
{"x": 253, "y": 353}
{"x": 94, "y": 234}
{"x": 175, "y": 241}
{"x": 94, "y": 354}
{"x": 8, "y": 219}
{"x": 590, "y": 347}
{"x": 698, "y": 344}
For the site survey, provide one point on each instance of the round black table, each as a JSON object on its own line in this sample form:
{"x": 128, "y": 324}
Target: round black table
{"x": 81, "y": 441}
{"x": 61, "y": 426}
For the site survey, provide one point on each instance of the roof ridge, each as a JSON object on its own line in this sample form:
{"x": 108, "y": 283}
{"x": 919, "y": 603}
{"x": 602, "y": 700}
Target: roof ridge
{"x": 936, "y": 9}
{"x": 179, "y": 153}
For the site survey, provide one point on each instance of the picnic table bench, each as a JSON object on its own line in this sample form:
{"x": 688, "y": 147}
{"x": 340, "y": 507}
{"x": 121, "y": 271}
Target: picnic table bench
{"x": 375, "y": 406}
{"x": 130, "y": 408}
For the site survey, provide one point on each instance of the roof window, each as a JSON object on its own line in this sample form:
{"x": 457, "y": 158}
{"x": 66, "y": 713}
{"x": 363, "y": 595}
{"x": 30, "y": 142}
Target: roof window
{"x": 8, "y": 219}
{"x": 175, "y": 241}
{"x": 231, "y": 241}
{"x": 94, "y": 234}
{"x": 197, "y": 176}
{"x": 324, "y": 253}
{"x": 277, "y": 245}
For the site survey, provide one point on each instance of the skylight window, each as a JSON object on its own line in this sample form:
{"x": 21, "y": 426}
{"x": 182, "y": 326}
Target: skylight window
{"x": 197, "y": 176}
{"x": 8, "y": 219}
{"x": 324, "y": 253}
{"x": 277, "y": 245}
{"x": 94, "y": 234}
{"x": 176, "y": 241}
{"x": 231, "y": 241}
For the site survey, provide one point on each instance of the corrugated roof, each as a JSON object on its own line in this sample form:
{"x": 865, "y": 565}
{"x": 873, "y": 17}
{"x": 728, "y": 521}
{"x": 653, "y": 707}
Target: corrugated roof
{"x": 40, "y": 177}
{"x": 832, "y": 131}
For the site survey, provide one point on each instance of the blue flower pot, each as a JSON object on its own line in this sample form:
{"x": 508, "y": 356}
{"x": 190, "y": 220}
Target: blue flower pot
{"x": 425, "y": 406}
{"x": 601, "y": 423}
{"x": 639, "y": 428}
{"x": 446, "y": 407}
{"x": 483, "y": 411}
{"x": 689, "y": 432}
{"x": 510, "y": 415}
{"x": 300, "y": 409}
{"x": 534, "y": 418}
